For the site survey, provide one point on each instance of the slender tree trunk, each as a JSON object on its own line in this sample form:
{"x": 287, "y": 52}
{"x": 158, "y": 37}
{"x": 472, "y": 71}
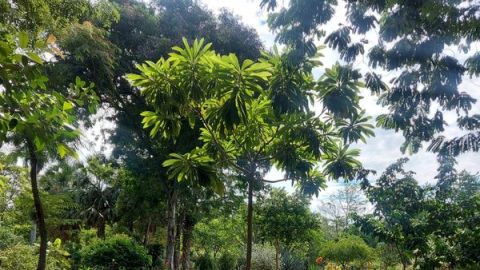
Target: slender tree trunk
{"x": 187, "y": 241}
{"x": 101, "y": 228}
{"x": 33, "y": 232}
{"x": 180, "y": 223}
{"x": 277, "y": 251}
{"x": 147, "y": 232}
{"x": 42, "y": 258}
{"x": 171, "y": 226}
{"x": 248, "y": 264}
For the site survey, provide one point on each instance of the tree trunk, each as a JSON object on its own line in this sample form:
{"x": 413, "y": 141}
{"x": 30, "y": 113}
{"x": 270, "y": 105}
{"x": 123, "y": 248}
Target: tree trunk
{"x": 147, "y": 232}
{"x": 277, "y": 251}
{"x": 180, "y": 223}
{"x": 171, "y": 226}
{"x": 42, "y": 229}
{"x": 187, "y": 242}
{"x": 248, "y": 263}
{"x": 101, "y": 228}
{"x": 33, "y": 232}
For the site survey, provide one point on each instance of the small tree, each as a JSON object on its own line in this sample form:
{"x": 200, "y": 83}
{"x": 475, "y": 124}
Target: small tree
{"x": 39, "y": 119}
{"x": 346, "y": 250}
{"x": 400, "y": 217}
{"x": 284, "y": 220}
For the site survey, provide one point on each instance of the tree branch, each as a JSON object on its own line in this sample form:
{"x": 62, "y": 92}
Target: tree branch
{"x": 274, "y": 181}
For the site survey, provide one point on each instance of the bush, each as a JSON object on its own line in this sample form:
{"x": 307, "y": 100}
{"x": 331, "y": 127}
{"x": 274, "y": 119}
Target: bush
{"x": 205, "y": 262}
{"x": 25, "y": 257}
{"x": 227, "y": 262}
{"x": 9, "y": 238}
{"x": 290, "y": 261}
{"x": 116, "y": 252}
{"x": 18, "y": 257}
{"x": 156, "y": 251}
{"x": 347, "y": 250}
{"x": 263, "y": 258}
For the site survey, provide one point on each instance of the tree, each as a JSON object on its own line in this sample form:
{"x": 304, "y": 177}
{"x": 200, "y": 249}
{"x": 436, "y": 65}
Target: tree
{"x": 419, "y": 42}
{"x": 343, "y": 205}
{"x": 39, "y": 119}
{"x": 400, "y": 217}
{"x": 242, "y": 128}
{"x": 451, "y": 213}
{"x": 284, "y": 220}
{"x": 346, "y": 250}
{"x": 147, "y": 31}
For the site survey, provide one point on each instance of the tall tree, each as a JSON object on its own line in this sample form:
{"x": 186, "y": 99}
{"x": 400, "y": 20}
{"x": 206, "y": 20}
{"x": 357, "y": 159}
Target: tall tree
{"x": 242, "y": 128}
{"x": 415, "y": 39}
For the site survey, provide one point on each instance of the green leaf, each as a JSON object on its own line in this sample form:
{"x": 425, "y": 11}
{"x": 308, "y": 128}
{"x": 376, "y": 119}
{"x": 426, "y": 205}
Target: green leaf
{"x": 39, "y": 143}
{"x": 35, "y": 58}
{"x": 62, "y": 150}
{"x": 23, "y": 39}
{"x": 67, "y": 105}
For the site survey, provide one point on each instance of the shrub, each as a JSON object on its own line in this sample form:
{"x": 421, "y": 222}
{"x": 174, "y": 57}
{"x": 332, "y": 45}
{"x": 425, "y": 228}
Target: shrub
{"x": 227, "y": 262}
{"x": 205, "y": 262}
{"x": 290, "y": 261}
{"x": 263, "y": 258}
{"x": 156, "y": 251}
{"x": 18, "y": 257}
{"x": 25, "y": 257}
{"x": 347, "y": 250}
{"x": 116, "y": 252}
{"x": 8, "y": 238}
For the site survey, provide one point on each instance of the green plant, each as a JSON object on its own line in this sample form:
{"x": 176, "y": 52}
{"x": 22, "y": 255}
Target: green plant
{"x": 227, "y": 262}
{"x": 8, "y": 238}
{"x": 116, "y": 252}
{"x": 347, "y": 250}
{"x": 205, "y": 262}
{"x": 263, "y": 258}
{"x": 291, "y": 261}
{"x": 24, "y": 257}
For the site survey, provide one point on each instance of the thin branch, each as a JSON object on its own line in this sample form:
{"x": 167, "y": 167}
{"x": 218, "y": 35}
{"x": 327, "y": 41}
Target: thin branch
{"x": 274, "y": 181}
{"x": 258, "y": 153}
{"x": 217, "y": 143}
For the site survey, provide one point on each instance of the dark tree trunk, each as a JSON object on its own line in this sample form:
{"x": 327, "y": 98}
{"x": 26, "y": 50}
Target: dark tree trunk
{"x": 177, "y": 240}
{"x": 248, "y": 263}
{"x": 42, "y": 229}
{"x": 187, "y": 241}
{"x": 101, "y": 228}
{"x": 171, "y": 226}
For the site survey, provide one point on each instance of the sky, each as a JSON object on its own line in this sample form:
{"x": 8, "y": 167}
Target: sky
{"x": 384, "y": 148}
